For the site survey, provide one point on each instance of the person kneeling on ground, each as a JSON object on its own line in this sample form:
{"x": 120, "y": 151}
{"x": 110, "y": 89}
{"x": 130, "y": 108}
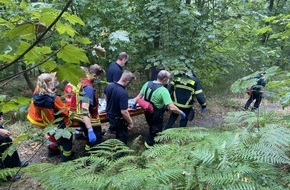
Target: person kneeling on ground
{"x": 5, "y": 141}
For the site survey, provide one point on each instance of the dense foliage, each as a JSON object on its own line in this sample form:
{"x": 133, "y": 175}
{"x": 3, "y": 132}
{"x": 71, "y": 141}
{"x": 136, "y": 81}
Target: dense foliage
{"x": 222, "y": 41}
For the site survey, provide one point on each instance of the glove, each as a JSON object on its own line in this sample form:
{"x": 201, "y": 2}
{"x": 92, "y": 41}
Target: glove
{"x": 92, "y": 136}
{"x": 183, "y": 115}
{"x": 203, "y": 110}
{"x": 133, "y": 107}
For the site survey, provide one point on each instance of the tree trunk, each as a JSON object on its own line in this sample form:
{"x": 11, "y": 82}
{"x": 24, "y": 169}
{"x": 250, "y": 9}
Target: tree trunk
{"x": 28, "y": 81}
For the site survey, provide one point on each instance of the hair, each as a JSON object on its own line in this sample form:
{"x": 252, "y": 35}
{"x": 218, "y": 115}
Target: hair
{"x": 127, "y": 76}
{"x": 42, "y": 83}
{"x": 96, "y": 69}
{"x": 163, "y": 74}
{"x": 122, "y": 55}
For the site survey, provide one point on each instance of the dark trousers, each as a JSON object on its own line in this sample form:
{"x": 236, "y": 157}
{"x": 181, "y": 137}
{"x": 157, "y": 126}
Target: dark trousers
{"x": 120, "y": 126}
{"x": 98, "y": 133}
{"x": 257, "y": 96}
{"x": 173, "y": 117}
{"x": 155, "y": 122}
{"x": 64, "y": 142}
{"x": 10, "y": 161}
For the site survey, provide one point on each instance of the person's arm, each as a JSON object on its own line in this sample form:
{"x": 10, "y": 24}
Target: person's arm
{"x": 85, "y": 106}
{"x": 86, "y": 117}
{"x": 5, "y": 133}
{"x": 171, "y": 107}
{"x": 198, "y": 93}
{"x": 141, "y": 93}
{"x": 127, "y": 117}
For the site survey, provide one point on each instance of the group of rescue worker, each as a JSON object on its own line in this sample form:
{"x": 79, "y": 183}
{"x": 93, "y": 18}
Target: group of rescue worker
{"x": 81, "y": 105}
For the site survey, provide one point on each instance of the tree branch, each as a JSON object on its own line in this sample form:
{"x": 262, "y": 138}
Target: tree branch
{"x": 39, "y": 38}
{"x": 10, "y": 78}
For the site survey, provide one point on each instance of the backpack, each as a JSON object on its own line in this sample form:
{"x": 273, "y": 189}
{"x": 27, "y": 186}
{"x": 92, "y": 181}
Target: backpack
{"x": 146, "y": 103}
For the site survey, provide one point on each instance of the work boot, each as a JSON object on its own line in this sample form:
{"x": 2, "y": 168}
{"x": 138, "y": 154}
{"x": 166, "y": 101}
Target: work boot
{"x": 53, "y": 152}
{"x": 67, "y": 158}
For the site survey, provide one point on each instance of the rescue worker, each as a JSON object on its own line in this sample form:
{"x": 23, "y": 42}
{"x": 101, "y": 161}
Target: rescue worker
{"x": 86, "y": 108}
{"x": 115, "y": 69}
{"x": 158, "y": 95}
{"x": 183, "y": 91}
{"x": 45, "y": 109}
{"x": 5, "y": 142}
{"x": 256, "y": 93}
{"x": 117, "y": 106}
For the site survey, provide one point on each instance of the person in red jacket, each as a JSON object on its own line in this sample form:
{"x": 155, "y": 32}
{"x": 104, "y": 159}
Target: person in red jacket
{"x": 48, "y": 109}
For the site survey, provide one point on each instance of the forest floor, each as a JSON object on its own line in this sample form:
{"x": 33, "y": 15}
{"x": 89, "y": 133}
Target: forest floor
{"x": 34, "y": 152}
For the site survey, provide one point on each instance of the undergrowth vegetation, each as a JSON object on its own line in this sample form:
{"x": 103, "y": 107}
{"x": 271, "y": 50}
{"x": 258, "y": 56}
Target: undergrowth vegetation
{"x": 249, "y": 151}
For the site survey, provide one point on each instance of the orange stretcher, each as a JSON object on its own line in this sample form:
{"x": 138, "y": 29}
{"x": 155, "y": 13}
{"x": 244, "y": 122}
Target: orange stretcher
{"x": 103, "y": 118}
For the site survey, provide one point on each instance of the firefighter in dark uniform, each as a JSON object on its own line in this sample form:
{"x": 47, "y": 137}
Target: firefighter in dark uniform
{"x": 183, "y": 90}
{"x": 256, "y": 93}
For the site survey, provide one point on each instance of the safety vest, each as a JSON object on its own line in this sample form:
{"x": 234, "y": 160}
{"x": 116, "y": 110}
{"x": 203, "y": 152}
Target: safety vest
{"x": 183, "y": 94}
{"x": 76, "y": 103}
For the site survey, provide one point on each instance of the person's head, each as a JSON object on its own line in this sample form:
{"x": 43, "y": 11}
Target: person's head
{"x": 126, "y": 78}
{"x": 163, "y": 77}
{"x": 54, "y": 80}
{"x": 122, "y": 59}
{"x": 95, "y": 71}
{"x": 45, "y": 83}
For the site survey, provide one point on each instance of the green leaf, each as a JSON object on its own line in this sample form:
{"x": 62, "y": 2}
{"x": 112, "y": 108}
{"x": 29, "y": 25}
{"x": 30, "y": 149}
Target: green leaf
{"x": 6, "y": 58}
{"x": 65, "y": 28}
{"x": 119, "y": 35}
{"x": 7, "y": 2}
{"x": 24, "y": 31}
{"x": 23, "y": 100}
{"x": 9, "y": 106}
{"x": 264, "y": 30}
{"x": 9, "y": 151}
{"x": 285, "y": 100}
{"x": 72, "y": 54}
{"x": 20, "y": 138}
{"x": 73, "y": 19}
{"x": 275, "y": 36}
{"x": 6, "y": 23}
{"x": 49, "y": 65}
{"x": 84, "y": 40}
{"x": 269, "y": 19}
{"x": 70, "y": 72}
{"x": 48, "y": 16}
{"x": 62, "y": 133}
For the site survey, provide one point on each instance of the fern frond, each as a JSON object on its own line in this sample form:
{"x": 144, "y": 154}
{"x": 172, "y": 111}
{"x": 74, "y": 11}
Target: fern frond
{"x": 181, "y": 136}
{"x": 111, "y": 149}
{"x": 240, "y": 186}
{"x": 170, "y": 175}
{"x": 157, "y": 150}
{"x": 4, "y": 173}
